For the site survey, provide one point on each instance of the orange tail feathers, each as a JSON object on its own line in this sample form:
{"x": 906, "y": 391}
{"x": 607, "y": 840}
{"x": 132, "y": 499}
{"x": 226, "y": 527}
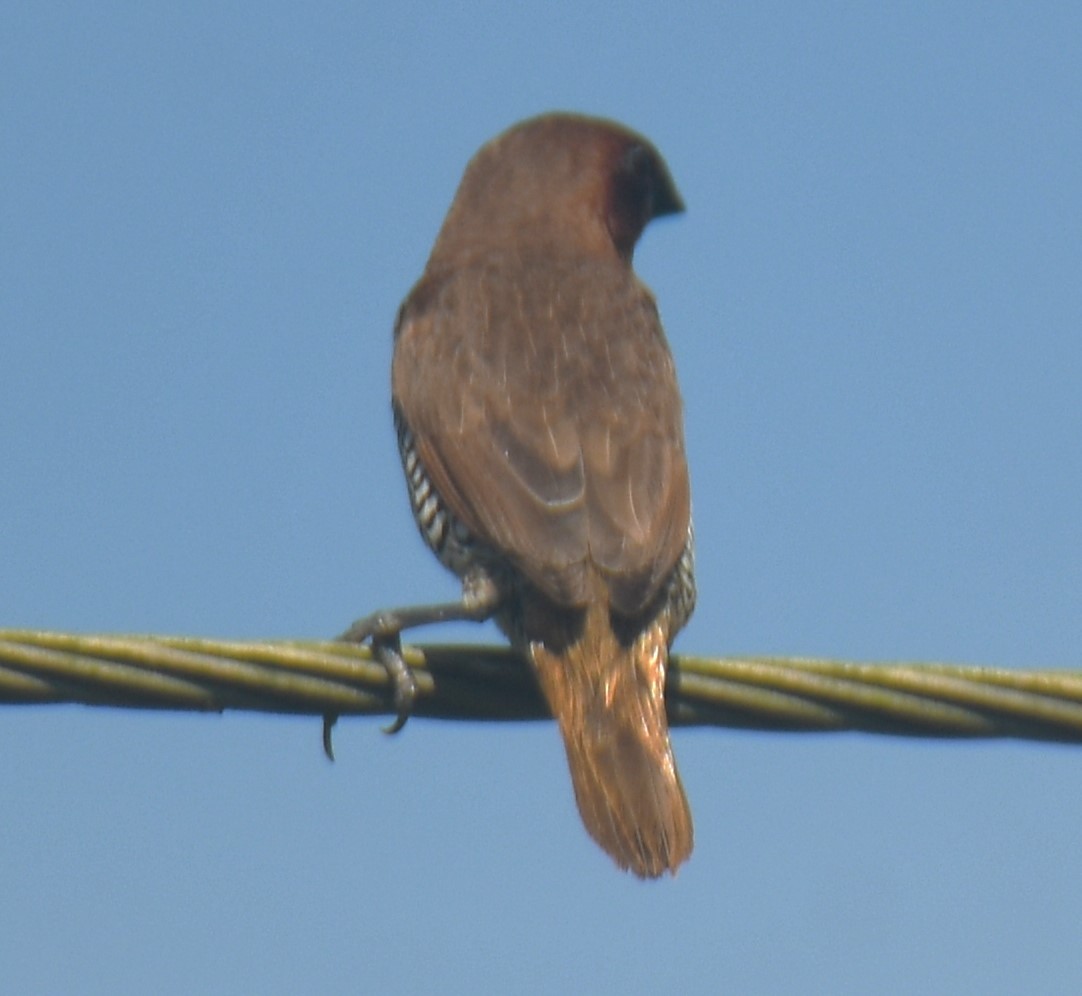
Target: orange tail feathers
{"x": 609, "y": 700}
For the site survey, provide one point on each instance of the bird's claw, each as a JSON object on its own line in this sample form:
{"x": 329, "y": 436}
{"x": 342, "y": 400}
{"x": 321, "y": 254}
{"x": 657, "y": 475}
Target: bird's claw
{"x": 378, "y": 626}
{"x": 328, "y": 726}
{"x": 381, "y": 630}
{"x": 401, "y": 677}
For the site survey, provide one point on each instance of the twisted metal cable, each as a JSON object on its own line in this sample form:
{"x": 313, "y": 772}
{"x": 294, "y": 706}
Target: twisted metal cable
{"x": 472, "y": 682}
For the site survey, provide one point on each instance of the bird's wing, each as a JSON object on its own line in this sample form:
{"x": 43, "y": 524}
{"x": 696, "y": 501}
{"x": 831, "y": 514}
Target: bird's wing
{"x": 550, "y": 425}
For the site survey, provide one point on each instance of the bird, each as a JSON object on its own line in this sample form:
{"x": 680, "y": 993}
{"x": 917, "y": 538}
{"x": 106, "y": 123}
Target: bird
{"x": 541, "y": 432}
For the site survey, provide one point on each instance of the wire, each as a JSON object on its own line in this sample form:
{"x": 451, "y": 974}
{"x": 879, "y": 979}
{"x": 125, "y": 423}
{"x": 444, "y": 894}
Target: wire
{"x": 493, "y": 683}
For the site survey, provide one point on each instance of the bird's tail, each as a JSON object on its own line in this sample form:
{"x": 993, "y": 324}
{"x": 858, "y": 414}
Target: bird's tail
{"x": 609, "y": 701}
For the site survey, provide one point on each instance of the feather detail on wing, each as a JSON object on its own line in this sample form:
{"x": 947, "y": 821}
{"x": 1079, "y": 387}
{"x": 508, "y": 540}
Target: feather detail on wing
{"x": 562, "y": 445}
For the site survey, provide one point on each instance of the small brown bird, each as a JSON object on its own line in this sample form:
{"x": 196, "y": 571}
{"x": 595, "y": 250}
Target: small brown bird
{"x": 541, "y": 432}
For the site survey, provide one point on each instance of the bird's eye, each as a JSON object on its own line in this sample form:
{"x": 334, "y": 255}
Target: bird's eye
{"x": 637, "y": 179}
{"x": 631, "y": 197}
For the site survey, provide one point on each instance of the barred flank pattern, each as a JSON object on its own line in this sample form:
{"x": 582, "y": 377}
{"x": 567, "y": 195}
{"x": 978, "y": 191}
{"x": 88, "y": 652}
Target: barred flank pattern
{"x": 680, "y": 592}
{"x": 448, "y": 539}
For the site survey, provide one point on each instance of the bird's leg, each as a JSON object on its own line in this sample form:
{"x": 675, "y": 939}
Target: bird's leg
{"x": 480, "y": 599}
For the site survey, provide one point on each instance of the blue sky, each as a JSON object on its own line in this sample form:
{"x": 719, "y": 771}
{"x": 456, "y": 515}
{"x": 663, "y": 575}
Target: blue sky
{"x": 208, "y": 216}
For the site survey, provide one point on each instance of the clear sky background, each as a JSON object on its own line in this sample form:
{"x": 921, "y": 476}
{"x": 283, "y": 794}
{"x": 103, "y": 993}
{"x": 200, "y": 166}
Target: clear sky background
{"x": 208, "y": 216}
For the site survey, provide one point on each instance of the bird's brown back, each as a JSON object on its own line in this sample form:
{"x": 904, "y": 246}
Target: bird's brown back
{"x": 543, "y": 403}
